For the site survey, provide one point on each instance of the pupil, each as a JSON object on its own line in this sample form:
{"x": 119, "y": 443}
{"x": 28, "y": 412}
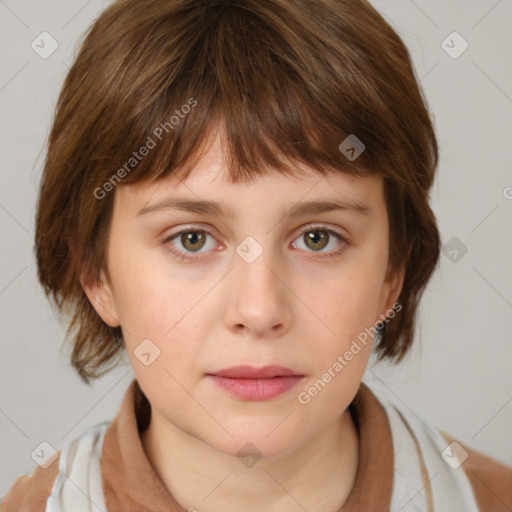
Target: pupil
{"x": 192, "y": 238}
{"x": 317, "y": 236}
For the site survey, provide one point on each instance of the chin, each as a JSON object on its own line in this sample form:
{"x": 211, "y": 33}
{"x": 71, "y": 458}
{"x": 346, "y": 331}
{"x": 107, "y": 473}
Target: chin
{"x": 249, "y": 443}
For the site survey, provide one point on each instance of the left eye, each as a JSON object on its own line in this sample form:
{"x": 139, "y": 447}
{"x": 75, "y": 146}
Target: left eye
{"x": 318, "y": 239}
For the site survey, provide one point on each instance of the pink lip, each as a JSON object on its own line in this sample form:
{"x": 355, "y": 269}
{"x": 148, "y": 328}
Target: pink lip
{"x": 256, "y": 384}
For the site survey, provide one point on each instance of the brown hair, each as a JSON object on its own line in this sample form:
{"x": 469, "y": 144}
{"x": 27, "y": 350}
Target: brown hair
{"x": 288, "y": 79}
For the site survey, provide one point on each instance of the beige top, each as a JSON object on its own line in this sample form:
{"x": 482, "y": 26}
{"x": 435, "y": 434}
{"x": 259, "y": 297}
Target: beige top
{"x": 131, "y": 484}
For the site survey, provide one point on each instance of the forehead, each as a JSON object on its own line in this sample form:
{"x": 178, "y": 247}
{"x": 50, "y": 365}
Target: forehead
{"x": 209, "y": 180}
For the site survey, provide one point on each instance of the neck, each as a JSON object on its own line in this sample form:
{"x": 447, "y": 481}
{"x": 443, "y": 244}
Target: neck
{"x": 318, "y": 476}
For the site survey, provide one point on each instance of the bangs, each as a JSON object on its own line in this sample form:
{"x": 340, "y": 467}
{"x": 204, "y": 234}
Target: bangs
{"x": 276, "y": 107}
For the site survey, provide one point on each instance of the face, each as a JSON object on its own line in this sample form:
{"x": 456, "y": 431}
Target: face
{"x": 263, "y": 283}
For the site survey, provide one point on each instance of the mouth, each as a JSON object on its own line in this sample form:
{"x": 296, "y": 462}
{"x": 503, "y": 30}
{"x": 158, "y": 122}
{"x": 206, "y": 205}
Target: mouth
{"x": 255, "y": 384}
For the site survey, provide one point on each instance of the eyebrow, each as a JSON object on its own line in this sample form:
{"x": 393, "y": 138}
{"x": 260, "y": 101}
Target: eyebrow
{"x": 215, "y": 208}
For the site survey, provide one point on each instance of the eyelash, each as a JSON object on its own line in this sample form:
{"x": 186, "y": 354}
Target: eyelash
{"x": 190, "y": 257}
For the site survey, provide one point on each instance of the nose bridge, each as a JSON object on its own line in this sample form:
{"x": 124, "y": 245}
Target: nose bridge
{"x": 253, "y": 266}
{"x": 258, "y": 297}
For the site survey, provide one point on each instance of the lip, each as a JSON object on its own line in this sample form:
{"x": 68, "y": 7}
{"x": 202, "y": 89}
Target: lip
{"x": 252, "y": 372}
{"x": 256, "y": 384}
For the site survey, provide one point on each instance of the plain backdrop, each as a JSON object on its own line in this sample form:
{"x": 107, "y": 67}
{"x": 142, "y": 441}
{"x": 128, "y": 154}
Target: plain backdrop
{"x": 459, "y": 373}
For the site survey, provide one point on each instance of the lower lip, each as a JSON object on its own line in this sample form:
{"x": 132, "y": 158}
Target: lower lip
{"x": 257, "y": 389}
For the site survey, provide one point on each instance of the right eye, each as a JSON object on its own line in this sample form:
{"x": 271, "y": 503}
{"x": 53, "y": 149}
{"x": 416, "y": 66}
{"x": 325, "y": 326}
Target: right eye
{"x": 191, "y": 240}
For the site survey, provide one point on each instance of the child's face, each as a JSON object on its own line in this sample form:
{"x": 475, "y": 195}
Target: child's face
{"x": 293, "y": 306}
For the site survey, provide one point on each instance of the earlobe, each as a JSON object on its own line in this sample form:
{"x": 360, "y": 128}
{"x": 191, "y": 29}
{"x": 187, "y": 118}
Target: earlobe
{"x": 100, "y": 296}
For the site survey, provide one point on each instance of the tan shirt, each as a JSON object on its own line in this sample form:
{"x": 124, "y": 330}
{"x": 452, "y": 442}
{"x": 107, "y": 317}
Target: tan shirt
{"x": 130, "y": 483}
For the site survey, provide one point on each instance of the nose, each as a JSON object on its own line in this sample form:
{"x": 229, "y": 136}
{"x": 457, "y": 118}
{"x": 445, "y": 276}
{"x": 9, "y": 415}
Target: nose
{"x": 259, "y": 302}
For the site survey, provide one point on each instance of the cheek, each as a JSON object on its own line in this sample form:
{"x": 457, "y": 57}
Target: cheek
{"x": 341, "y": 353}
{"x": 351, "y": 299}
{"x": 168, "y": 318}
{"x": 153, "y": 299}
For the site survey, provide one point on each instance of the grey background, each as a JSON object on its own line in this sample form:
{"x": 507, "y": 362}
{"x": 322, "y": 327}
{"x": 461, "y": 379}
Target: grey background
{"x": 459, "y": 373}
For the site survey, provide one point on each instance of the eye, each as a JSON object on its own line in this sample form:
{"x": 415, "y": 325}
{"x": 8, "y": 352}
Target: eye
{"x": 317, "y": 238}
{"x": 191, "y": 241}
{"x": 188, "y": 244}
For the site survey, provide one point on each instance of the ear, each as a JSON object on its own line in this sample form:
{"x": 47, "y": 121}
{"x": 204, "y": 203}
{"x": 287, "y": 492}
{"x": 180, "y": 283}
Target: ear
{"x": 391, "y": 290}
{"x": 101, "y": 298}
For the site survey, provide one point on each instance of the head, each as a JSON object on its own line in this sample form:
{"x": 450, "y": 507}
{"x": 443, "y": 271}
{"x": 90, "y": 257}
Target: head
{"x": 248, "y": 109}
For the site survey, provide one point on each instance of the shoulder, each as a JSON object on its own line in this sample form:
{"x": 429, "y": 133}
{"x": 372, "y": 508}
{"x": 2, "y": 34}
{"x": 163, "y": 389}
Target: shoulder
{"x": 30, "y": 492}
{"x": 490, "y": 479}
{"x": 78, "y": 462}
{"x": 448, "y": 472}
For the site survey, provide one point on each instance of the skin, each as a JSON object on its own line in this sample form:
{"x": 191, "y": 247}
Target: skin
{"x": 293, "y": 306}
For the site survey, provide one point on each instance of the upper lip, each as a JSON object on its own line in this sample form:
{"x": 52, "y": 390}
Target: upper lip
{"x": 252, "y": 372}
